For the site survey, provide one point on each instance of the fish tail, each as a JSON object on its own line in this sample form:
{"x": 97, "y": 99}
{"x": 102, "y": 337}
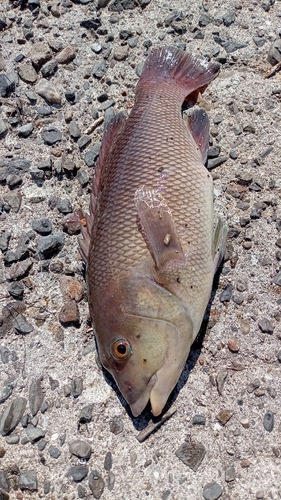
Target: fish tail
{"x": 180, "y": 68}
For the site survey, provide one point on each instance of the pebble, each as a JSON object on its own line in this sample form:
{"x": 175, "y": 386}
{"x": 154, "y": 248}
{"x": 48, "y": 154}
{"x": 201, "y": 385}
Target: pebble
{"x": 72, "y": 224}
{"x": 92, "y": 155}
{"x": 4, "y": 241}
{"x": 51, "y": 135}
{"x": 96, "y": 483}
{"x": 224, "y": 416}
{"x": 245, "y": 423}
{"x": 215, "y": 162}
{"x": 78, "y": 472}
{"x": 4, "y": 482}
{"x": 42, "y": 226}
{"x": 16, "y": 290}
{"x": 110, "y": 480}
{"x": 108, "y": 461}
{"x": 253, "y": 385}
{"x": 64, "y": 206}
{"x": 71, "y": 288}
{"x": 212, "y": 491}
{"x": 234, "y": 344}
{"x": 27, "y": 73}
{"x": 54, "y": 452}
{"x": 38, "y": 176}
{"x": 226, "y": 295}
{"x": 36, "y": 396}
{"x": 274, "y": 53}
{"x": 277, "y": 279}
{"x": 14, "y": 200}
{"x": 77, "y": 386}
{"x": 228, "y": 18}
{"x": 7, "y": 390}
{"x": 268, "y": 421}
{"x": 199, "y": 420}
{"x": 121, "y": 53}
{"x": 116, "y": 425}
{"x": 50, "y": 245}
{"x": 69, "y": 313}
{"x": 48, "y": 91}
{"x": 12, "y": 439}
{"x": 66, "y": 55}
{"x": 22, "y": 326}
{"x": 220, "y": 379}
{"x": 80, "y": 449}
{"x": 12, "y": 415}
{"x": 86, "y": 414}
{"x": 7, "y": 84}
{"x": 28, "y": 481}
{"x": 191, "y": 454}
{"x": 83, "y": 177}
{"x": 83, "y": 141}
{"x": 265, "y": 326}
{"x": 74, "y": 130}
{"x": 33, "y": 434}
{"x": 99, "y": 69}
{"x": 3, "y": 127}
{"x": 49, "y": 68}
{"x": 230, "y": 473}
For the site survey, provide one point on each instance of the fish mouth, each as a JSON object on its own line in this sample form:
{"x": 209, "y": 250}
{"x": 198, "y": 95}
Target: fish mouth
{"x": 152, "y": 394}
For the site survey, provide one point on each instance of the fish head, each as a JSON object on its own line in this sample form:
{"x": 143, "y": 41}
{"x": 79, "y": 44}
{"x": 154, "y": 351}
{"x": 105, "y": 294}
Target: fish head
{"x": 144, "y": 335}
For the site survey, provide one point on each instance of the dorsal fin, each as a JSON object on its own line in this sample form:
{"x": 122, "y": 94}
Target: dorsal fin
{"x": 111, "y": 131}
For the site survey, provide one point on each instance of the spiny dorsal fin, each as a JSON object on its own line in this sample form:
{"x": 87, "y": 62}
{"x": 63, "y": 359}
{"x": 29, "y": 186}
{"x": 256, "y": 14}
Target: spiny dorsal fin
{"x": 111, "y": 131}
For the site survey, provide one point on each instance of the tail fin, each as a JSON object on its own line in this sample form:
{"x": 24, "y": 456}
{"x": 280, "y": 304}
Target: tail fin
{"x": 181, "y": 68}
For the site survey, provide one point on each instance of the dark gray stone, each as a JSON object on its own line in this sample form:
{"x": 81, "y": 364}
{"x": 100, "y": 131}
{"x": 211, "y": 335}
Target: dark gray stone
{"x": 4, "y": 353}
{"x": 64, "y": 206}
{"x": 91, "y": 155}
{"x": 22, "y": 326}
{"x": 78, "y": 472}
{"x": 50, "y": 245}
{"x": 16, "y": 290}
{"x": 228, "y": 18}
{"x": 86, "y": 414}
{"x": 54, "y": 452}
{"x": 6, "y": 393}
{"x": 49, "y": 68}
{"x": 108, "y": 461}
{"x": 83, "y": 177}
{"x": 77, "y": 386}
{"x": 4, "y": 482}
{"x": 12, "y": 415}
{"x": 7, "y": 84}
{"x": 277, "y": 279}
{"x": 3, "y": 128}
{"x": 83, "y": 141}
{"x": 265, "y": 326}
{"x": 43, "y": 110}
{"x": 91, "y": 24}
{"x": 25, "y": 130}
{"x": 229, "y": 45}
{"x": 33, "y": 434}
{"x": 80, "y": 449}
{"x": 4, "y": 241}
{"x": 204, "y": 20}
{"x": 28, "y": 481}
{"x": 212, "y": 491}
{"x": 36, "y": 396}
{"x": 51, "y": 135}
{"x": 42, "y": 226}
{"x": 268, "y": 421}
{"x": 74, "y": 130}
{"x": 42, "y": 444}
{"x": 99, "y": 69}
{"x": 230, "y": 473}
{"x": 226, "y": 295}
{"x": 38, "y": 176}
{"x": 215, "y": 162}
{"x": 199, "y": 420}
{"x": 13, "y": 200}
{"x": 274, "y": 54}
{"x": 259, "y": 41}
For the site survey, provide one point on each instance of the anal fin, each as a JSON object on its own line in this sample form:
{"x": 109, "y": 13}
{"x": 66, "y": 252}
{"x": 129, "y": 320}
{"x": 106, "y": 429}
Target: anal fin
{"x": 198, "y": 123}
{"x": 219, "y": 243}
{"x": 158, "y": 228}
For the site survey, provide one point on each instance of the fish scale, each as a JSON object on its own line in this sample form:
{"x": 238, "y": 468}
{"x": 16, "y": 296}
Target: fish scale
{"x": 150, "y": 246}
{"x": 117, "y": 241}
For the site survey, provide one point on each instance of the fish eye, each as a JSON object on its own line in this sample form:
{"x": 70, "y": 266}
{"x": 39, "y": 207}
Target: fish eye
{"x": 121, "y": 349}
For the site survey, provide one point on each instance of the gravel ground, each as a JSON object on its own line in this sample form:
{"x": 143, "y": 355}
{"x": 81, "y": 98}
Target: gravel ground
{"x": 65, "y": 68}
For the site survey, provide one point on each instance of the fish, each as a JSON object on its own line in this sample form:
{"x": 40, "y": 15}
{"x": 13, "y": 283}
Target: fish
{"x": 152, "y": 243}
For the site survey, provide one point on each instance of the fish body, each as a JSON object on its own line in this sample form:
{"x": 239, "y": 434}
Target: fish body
{"x": 150, "y": 244}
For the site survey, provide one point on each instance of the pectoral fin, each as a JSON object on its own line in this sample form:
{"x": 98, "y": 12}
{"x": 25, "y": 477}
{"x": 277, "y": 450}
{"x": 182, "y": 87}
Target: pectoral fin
{"x": 219, "y": 243}
{"x": 157, "y": 227}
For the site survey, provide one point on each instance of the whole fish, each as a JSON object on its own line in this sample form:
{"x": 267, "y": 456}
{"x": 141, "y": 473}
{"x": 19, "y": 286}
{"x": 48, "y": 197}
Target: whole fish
{"x": 150, "y": 243}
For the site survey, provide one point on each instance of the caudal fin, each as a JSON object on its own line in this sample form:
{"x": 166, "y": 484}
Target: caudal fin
{"x": 181, "y": 68}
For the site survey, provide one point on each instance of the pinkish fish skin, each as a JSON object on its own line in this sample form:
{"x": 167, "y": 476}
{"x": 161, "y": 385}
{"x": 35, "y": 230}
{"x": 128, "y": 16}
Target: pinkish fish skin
{"x": 150, "y": 244}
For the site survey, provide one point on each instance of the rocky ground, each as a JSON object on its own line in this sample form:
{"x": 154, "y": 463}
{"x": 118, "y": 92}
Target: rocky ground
{"x": 65, "y": 68}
